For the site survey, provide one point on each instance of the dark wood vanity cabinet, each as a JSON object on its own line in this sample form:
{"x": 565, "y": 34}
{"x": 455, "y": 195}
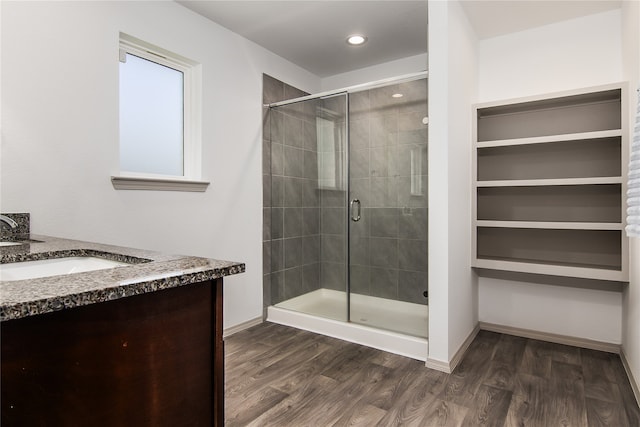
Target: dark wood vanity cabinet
{"x": 155, "y": 359}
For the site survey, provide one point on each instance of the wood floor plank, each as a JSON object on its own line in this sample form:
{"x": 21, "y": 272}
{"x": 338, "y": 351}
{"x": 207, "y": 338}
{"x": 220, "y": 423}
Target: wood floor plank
{"x": 350, "y": 361}
{"x": 462, "y": 389}
{"x": 627, "y": 397}
{"x": 528, "y": 406}
{"x": 500, "y": 375}
{"x": 445, "y": 414}
{"x": 267, "y": 334}
{"x": 536, "y": 359}
{"x": 599, "y": 377}
{"x": 298, "y": 408}
{"x": 522, "y": 413}
{"x": 241, "y": 355}
{"x": 284, "y": 366}
{"x": 242, "y": 366}
{"x": 273, "y": 335}
{"x": 604, "y": 413}
{"x": 390, "y": 360}
{"x": 389, "y": 390}
{"x": 507, "y": 357}
{"x": 351, "y": 392}
{"x": 566, "y": 400}
{"x": 241, "y": 413}
{"x": 480, "y": 352}
{"x": 283, "y": 377}
{"x": 409, "y": 408}
{"x": 363, "y": 415}
{"x": 290, "y": 381}
{"x": 465, "y": 381}
{"x": 490, "y": 408}
{"x": 269, "y": 355}
{"x": 509, "y": 350}
{"x": 566, "y": 354}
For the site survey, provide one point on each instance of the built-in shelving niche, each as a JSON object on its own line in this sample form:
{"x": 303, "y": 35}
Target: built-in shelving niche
{"x": 549, "y": 185}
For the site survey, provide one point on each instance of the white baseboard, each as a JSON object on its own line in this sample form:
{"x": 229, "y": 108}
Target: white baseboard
{"x": 438, "y": 365}
{"x": 554, "y": 338}
{"x": 241, "y": 327}
{"x": 448, "y": 367}
{"x": 632, "y": 381}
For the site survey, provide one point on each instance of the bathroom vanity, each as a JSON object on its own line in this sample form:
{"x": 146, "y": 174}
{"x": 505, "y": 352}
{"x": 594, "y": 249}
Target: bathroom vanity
{"x": 137, "y": 343}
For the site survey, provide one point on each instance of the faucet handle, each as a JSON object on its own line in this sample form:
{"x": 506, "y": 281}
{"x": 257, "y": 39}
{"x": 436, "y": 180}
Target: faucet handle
{"x": 10, "y": 222}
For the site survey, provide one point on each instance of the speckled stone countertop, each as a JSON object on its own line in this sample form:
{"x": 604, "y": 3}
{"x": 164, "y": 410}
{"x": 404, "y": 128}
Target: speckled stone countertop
{"x": 149, "y": 271}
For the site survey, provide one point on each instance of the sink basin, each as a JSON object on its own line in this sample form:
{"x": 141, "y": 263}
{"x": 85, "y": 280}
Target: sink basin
{"x": 54, "y": 267}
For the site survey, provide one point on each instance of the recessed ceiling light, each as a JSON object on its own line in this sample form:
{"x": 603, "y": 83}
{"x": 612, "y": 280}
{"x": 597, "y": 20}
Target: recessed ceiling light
{"x": 397, "y": 95}
{"x": 356, "y": 39}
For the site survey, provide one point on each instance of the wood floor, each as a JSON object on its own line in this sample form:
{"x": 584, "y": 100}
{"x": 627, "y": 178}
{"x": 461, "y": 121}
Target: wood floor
{"x": 280, "y": 376}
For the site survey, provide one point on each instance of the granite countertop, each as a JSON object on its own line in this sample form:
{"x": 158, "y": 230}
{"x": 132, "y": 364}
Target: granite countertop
{"x": 149, "y": 271}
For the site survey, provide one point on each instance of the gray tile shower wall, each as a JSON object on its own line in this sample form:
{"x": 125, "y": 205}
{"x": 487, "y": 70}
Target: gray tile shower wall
{"x": 291, "y": 249}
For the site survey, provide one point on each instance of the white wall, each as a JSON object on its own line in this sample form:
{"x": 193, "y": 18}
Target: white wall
{"x": 567, "y": 55}
{"x": 631, "y": 295}
{"x": 571, "y": 54}
{"x": 463, "y": 282}
{"x": 60, "y": 133}
{"x": 452, "y": 90}
{"x": 409, "y": 65}
{"x": 564, "y": 310}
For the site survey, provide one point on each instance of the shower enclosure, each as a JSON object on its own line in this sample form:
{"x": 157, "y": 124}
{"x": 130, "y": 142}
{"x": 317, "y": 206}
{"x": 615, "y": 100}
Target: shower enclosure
{"x": 348, "y": 212}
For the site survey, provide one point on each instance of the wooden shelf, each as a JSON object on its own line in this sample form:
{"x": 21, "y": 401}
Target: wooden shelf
{"x": 548, "y": 185}
{"x": 552, "y": 225}
{"x": 551, "y": 270}
{"x": 583, "y": 136}
{"x": 551, "y": 182}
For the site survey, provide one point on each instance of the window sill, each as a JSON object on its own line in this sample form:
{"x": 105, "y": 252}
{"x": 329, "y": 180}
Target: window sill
{"x": 158, "y": 184}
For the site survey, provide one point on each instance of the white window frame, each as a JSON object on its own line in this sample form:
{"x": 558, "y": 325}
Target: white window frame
{"x": 192, "y": 122}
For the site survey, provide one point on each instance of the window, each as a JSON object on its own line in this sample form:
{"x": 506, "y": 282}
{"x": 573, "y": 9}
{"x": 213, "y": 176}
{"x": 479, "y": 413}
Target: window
{"x": 329, "y": 133}
{"x": 151, "y": 117}
{"x": 159, "y": 116}
{"x": 327, "y": 170}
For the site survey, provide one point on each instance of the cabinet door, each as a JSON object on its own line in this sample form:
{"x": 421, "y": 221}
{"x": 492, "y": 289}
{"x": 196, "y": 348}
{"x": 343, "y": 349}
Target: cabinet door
{"x": 136, "y": 361}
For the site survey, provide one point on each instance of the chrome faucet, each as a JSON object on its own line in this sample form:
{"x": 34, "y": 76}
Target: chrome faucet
{"x": 11, "y": 223}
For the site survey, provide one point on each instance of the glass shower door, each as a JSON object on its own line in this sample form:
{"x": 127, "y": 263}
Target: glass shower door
{"x": 349, "y": 207}
{"x": 308, "y": 208}
{"x": 388, "y": 208}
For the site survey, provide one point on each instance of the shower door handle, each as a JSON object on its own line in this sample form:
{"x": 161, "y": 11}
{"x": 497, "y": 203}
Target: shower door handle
{"x": 355, "y": 217}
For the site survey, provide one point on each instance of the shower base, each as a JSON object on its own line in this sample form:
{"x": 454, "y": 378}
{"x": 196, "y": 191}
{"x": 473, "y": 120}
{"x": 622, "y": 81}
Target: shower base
{"x": 393, "y": 326}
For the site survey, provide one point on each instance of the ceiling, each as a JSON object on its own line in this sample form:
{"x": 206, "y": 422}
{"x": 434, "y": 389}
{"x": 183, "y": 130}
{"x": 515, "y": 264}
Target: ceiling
{"x": 312, "y": 34}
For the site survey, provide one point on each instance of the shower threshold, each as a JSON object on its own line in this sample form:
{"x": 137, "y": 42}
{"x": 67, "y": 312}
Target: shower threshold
{"x": 324, "y": 311}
